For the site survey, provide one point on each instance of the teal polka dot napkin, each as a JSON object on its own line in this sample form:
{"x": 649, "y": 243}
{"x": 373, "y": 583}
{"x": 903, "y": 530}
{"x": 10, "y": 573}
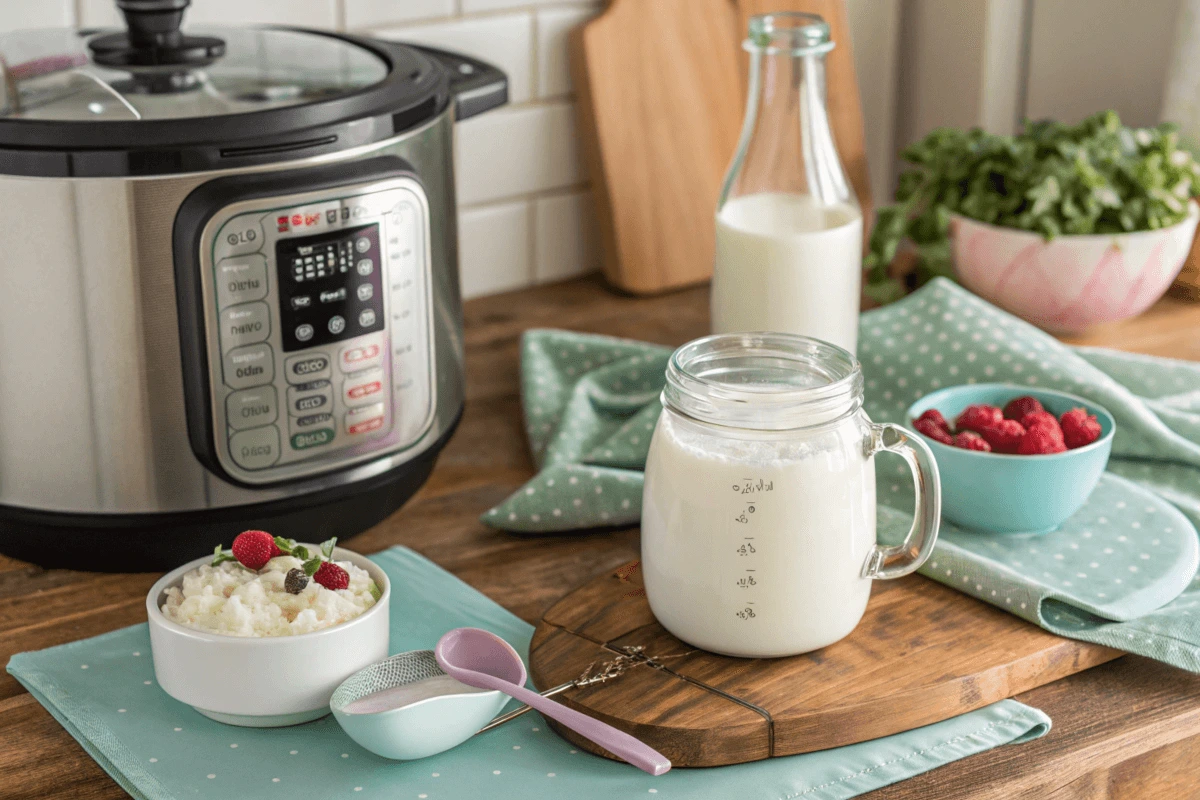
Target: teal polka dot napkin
{"x": 103, "y": 691}
{"x": 1122, "y": 572}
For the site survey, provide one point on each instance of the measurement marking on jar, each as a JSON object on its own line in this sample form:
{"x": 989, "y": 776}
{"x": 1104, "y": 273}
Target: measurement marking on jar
{"x": 750, "y": 492}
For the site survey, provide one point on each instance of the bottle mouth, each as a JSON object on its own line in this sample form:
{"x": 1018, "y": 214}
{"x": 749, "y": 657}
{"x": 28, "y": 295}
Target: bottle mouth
{"x": 788, "y": 32}
{"x": 763, "y": 381}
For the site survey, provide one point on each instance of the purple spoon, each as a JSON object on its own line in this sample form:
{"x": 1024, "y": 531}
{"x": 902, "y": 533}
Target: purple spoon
{"x": 482, "y": 659}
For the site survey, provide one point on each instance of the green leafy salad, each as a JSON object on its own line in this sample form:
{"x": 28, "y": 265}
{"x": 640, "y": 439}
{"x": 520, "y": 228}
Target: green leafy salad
{"x": 1095, "y": 177}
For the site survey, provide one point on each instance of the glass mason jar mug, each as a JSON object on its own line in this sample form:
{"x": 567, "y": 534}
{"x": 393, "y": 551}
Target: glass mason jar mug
{"x": 758, "y": 514}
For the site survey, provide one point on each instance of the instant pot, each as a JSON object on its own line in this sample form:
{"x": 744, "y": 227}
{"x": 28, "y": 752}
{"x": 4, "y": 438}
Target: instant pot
{"x": 228, "y": 283}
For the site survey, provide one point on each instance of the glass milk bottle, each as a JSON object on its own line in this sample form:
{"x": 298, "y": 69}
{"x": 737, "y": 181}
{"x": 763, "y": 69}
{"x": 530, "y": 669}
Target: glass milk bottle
{"x": 789, "y": 230}
{"x": 758, "y": 511}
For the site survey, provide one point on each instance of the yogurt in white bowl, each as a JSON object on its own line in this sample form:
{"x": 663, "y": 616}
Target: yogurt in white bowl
{"x": 264, "y": 669}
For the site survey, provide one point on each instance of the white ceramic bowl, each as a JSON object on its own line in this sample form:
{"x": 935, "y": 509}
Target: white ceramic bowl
{"x": 1071, "y": 282}
{"x": 264, "y": 682}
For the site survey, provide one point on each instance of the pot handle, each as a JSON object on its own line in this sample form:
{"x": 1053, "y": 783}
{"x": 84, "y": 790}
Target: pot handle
{"x": 476, "y": 85}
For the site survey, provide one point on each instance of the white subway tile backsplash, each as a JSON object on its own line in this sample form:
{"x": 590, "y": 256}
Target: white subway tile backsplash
{"x": 565, "y": 240}
{"x": 554, "y": 26}
{"x": 21, "y": 14}
{"x": 304, "y": 13}
{"x": 505, "y": 41}
{"x": 494, "y": 249}
{"x": 493, "y": 5}
{"x": 517, "y": 151}
{"x": 361, "y": 13}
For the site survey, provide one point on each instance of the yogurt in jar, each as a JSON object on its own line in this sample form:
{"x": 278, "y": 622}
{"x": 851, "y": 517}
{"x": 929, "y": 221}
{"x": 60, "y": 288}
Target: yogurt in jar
{"x": 756, "y": 548}
{"x": 233, "y": 600}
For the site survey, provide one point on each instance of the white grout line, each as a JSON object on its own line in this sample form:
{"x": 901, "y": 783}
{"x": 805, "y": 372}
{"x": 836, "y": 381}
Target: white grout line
{"x": 470, "y": 15}
{"x": 560, "y": 191}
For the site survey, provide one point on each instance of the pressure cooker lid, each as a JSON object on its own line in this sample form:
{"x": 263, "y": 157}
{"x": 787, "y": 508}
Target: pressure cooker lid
{"x": 62, "y": 75}
{"x": 161, "y": 97}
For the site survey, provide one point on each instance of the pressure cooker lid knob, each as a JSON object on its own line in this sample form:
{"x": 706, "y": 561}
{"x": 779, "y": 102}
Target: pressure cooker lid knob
{"x": 154, "y": 38}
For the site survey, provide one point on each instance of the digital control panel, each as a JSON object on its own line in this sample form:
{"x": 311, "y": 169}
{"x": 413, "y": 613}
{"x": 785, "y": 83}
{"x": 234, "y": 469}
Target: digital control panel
{"x": 319, "y": 319}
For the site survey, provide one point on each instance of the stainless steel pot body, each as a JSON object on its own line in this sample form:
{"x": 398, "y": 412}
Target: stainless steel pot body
{"x": 93, "y": 415}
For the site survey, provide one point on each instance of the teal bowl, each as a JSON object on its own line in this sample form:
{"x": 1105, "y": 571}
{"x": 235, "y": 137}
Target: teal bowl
{"x": 1002, "y": 493}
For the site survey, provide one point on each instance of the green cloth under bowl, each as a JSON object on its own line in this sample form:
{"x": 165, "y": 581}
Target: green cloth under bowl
{"x": 1121, "y": 572}
{"x": 103, "y": 692}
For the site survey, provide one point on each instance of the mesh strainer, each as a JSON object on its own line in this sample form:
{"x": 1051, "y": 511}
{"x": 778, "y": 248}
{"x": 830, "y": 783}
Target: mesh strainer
{"x": 418, "y": 730}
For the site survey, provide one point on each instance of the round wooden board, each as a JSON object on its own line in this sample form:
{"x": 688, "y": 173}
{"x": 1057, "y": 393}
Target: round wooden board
{"x": 922, "y": 653}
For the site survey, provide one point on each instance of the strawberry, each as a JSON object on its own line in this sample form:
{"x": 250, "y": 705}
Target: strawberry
{"x": 976, "y": 418}
{"x": 331, "y": 576}
{"x": 932, "y": 430}
{"x": 1079, "y": 428}
{"x": 1018, "y": 408}
{"x": 254, "y": 549}
{"x": 1004, "y": 436}
{"x": 969, "y": 440}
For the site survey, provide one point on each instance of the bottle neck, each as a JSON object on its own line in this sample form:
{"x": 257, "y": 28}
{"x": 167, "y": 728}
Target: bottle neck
{"x": 787, "y": 144}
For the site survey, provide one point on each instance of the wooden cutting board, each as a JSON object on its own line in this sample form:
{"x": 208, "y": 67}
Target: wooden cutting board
{"x": 922, "y": 653}
{"x": 661, "y": 90}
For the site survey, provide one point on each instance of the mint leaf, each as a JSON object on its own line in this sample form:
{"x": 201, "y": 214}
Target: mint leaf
{"x": 221, "y": 556}
{"x": 327, "y": 547}
{"x": 375, "y": 591}
{"x": 311, "y": 566}
{"x": 286, "y": 545}
{"x": 301, "y": 552}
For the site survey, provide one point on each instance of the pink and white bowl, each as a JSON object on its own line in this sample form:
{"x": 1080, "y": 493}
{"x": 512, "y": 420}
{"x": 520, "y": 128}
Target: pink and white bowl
{"x": 1071, "y": 282}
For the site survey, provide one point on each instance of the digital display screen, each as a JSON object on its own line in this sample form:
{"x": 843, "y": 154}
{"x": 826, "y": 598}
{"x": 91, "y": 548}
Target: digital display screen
{"x": 330, "y": 286}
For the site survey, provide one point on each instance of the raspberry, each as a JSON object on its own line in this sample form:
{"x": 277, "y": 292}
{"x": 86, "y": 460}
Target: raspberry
{"x": 935, "y": 416}
{"x": 331, "y": 576}
{"x": 1004, "y": 436}
{"x": 255, "y": 548}
{"x": 975, "y": 418}
{"x": 1079, "y": 428}
{"x": 1018, "y": 408}
{"x": 931, "y": 429}
{"x": 969, "y": 440}
{"x": 1041, "y": 419}
{"x": 1041, "y": 440}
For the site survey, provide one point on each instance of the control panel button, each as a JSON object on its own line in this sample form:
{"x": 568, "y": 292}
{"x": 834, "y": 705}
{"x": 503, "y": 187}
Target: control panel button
{"x": 304, "y": 332}
{"x": 365, "y": 266}
{"x": 249, "y": 366}
{"x": 366, "y": 317}
{"x": 310, "y": 398}
{"x": 250, "y": 408}
{"x": 363, "y": 387}
{"x": 314, "y": 438}
{"x": 239, "y": 236}
{"x": 301, "y": 301}
{"x": 365, "y": 292}
{"x": 336, "y": 324}
{"x": 245, "y": 324}
{"x": 241, "y": 280}
{"x": 256, "y": 448}
{"x": 364, "y": 420}
{"x": 363, "y": 355}
{"x": 310, "y": 422}
{"x": 362, "y": 244}
{"x": 307, "y": 368}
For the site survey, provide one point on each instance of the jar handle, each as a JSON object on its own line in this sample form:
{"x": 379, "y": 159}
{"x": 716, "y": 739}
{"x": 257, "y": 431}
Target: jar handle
{"x": 902, "y": 559}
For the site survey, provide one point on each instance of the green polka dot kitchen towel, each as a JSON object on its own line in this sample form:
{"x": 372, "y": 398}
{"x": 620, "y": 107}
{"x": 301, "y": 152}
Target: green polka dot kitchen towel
{"x": 1121, "y": 572}
{"x": 103, "y": 691}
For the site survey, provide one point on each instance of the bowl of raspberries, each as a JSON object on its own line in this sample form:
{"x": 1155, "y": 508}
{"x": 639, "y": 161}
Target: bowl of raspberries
{"x": 1013, "y": 460}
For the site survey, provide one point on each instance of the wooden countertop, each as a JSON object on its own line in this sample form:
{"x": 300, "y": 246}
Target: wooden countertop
{"x": 1127, "y": 729}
